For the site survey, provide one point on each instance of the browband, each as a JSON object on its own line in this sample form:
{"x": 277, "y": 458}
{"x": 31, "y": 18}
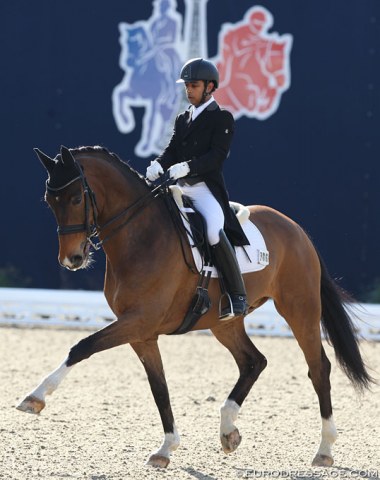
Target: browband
{"x": 51, "y": 189}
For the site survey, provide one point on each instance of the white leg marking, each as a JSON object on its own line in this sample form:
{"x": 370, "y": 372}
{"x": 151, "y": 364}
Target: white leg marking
{"x": 170, "y": 443}
{"x": 51, "y": 382}
{"x": 329, "y": 436}
{"x": 228, "y": 415}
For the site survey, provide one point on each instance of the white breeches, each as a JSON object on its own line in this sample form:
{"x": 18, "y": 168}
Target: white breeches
{"x": 207, "y": 205}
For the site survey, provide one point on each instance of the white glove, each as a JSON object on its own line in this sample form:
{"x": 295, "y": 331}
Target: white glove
{"x": 179, "y": 170}
{"x": 154, "y": 170}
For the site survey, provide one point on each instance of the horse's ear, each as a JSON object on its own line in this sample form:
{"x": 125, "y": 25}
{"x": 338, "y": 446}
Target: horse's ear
{"x": 46, "y": 161}
{"x": 67, "y": 157}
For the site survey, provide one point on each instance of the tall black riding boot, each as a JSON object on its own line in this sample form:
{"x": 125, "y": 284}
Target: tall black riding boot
{"x": 225, "y": 261}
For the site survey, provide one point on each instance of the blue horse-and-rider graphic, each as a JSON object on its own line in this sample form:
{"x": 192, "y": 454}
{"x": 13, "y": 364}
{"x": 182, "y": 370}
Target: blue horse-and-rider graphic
{"x": 151, "y": 58}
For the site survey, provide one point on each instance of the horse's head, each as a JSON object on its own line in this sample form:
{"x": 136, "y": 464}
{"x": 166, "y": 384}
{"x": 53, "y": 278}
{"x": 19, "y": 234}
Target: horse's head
{"x": 73, "y": 205}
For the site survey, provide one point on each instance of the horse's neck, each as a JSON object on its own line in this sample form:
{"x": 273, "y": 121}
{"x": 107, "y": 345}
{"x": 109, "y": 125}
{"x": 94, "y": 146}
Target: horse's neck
{"x": 145, "y": 219}
{"x": 114, "y": 191}
{"x": 122, "y": 193}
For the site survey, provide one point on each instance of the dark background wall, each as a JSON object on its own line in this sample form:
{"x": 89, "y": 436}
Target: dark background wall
{"x": 316, "y": 159}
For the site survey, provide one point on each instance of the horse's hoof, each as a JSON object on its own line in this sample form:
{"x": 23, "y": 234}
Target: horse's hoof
{"x": 158, "y": 461}
{"x": 31, "y": 405}
{"x": 322, "y": 461}
{"x": 231, "y": 441}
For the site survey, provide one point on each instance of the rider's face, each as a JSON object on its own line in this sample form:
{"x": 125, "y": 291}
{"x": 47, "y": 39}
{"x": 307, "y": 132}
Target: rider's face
{"x": 194, "y": 91}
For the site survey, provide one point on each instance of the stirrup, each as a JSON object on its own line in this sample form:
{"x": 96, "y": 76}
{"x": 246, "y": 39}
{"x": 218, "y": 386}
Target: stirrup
{"x": 227, "y": 312}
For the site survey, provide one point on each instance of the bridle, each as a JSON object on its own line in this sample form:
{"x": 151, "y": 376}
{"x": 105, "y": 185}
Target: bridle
{"x": 93, "y": 229}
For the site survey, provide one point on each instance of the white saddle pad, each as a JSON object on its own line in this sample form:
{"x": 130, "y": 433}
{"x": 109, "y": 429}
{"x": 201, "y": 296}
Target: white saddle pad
{"x": 251, "y": 258}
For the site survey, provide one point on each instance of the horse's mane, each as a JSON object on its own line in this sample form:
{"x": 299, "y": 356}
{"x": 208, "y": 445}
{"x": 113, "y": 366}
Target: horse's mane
{"x": 111, "y": 158}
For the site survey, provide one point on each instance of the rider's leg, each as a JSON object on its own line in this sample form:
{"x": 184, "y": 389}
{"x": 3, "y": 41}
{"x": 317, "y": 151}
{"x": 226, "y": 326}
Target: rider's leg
{"x": 223, "y": 253}
{"x": 210, "y": 209}
{"x": 225, "y": 259}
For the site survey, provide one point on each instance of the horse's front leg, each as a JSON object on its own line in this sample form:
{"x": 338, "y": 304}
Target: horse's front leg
{"x": 251, "y": 363}
{"x": 150, "y": 357}
{"x": 34, "y": 402}
{"x": 117, "y": 333}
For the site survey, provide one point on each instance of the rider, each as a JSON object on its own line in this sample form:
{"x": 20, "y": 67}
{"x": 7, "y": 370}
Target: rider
{"x": 194, "y": 156}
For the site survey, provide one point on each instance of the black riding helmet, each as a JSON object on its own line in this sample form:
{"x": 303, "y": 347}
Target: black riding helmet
{"x": 199, "y": 69}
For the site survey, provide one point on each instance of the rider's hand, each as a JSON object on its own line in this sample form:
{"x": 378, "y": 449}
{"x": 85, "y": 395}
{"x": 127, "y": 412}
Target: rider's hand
{"x": 179, "y": 170}
{"x": 154, "y": 170}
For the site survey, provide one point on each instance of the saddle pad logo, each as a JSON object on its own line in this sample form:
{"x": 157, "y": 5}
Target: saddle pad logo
{"x": 254, "y": 68}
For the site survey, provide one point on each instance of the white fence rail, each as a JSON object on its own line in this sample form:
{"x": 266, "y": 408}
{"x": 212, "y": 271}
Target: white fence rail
{"x": 89, "y": 310}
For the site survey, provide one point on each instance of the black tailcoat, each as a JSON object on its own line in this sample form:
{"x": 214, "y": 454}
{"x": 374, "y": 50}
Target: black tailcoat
{"x": 204, "y": 144}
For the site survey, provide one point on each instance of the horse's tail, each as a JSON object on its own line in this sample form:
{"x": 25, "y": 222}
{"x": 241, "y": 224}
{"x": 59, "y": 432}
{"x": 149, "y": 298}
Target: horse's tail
{"x": 340, "y": 331}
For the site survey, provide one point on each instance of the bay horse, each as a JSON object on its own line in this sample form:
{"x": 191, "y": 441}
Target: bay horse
{"x": 149, "y": 287}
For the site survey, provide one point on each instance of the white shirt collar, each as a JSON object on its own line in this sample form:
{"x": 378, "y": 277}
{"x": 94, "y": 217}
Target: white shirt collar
{"x": 196, "y": 111}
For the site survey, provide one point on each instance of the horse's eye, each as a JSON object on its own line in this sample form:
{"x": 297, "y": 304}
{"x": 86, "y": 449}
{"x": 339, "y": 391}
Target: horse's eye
{"x": 76, "y": 200}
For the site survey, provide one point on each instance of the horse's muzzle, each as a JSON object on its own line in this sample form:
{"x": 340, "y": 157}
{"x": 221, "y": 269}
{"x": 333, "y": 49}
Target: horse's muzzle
{"x": 74, "y": 262}
{"x": 78, "y": 260}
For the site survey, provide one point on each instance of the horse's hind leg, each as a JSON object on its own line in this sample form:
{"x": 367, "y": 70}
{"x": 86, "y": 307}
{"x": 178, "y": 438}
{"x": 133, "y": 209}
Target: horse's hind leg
{"x": 250, "y": 363}
{"x": 319, "y": 373}
{"x": 150, "y": 357}
{"x": 321, "y": 383}
{"x": 305, "y": 324}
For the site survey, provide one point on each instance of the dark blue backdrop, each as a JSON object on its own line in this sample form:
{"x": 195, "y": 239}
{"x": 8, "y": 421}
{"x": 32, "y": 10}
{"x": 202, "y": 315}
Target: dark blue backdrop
{"x": 316, "y": 159}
